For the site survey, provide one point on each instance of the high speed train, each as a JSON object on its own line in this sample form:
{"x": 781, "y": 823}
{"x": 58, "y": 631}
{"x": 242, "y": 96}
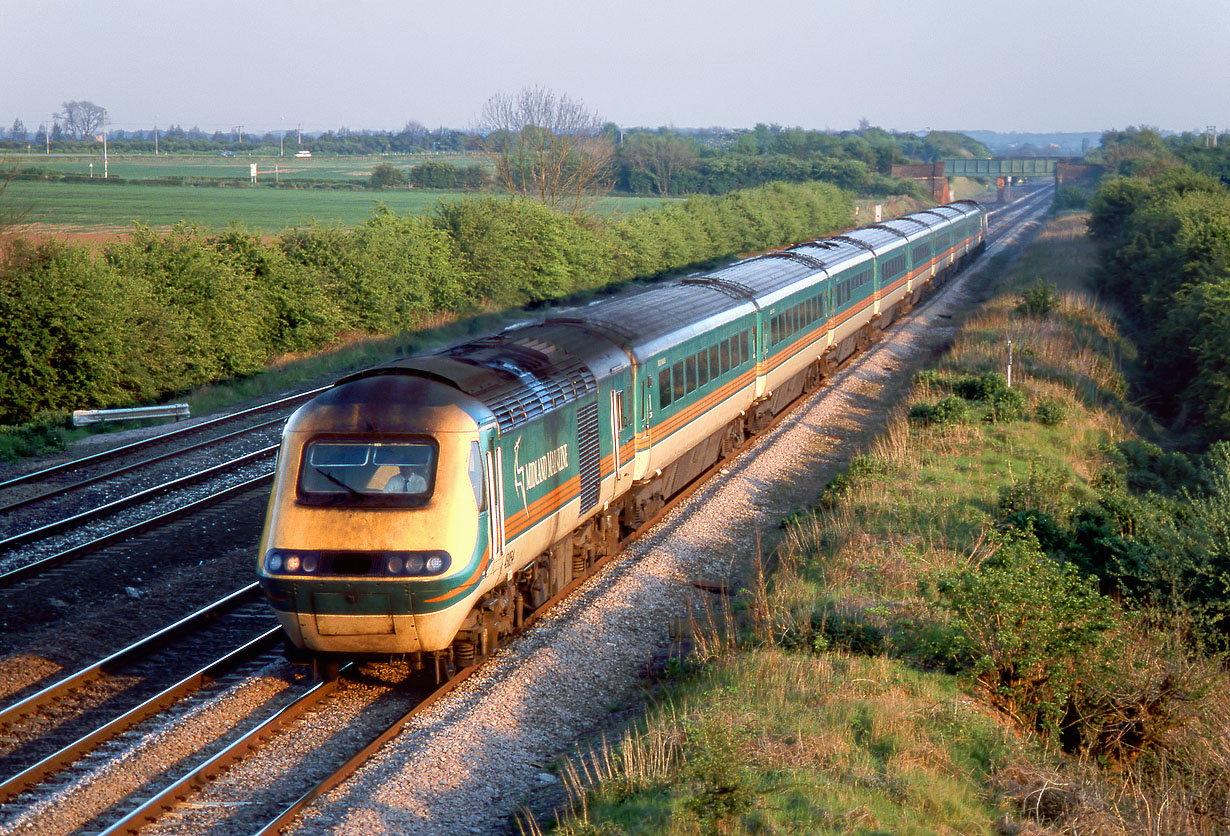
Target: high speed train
{"x": 423, "y": 508}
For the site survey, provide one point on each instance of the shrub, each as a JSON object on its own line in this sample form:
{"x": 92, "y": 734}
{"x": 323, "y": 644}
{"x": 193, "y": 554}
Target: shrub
{"x": 1030, "y": 629}
{"x": 984, "y": 387}
{"x": 1045, "y": 490}
{"x": 1039, "y": 300}
{"x": 1051, "y": 412}
{"x": 1070, "y": 197}
{"x": 950, "y": 411}
{"x": 386, "y": 175}
{"x": 1008, "y": 405}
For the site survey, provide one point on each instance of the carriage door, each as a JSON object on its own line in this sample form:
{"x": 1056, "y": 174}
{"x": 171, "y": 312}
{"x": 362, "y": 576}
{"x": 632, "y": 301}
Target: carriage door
{"x": 643, "y": 440}
{"x": 495, "y": 511}
{"x": 621, "y": 428}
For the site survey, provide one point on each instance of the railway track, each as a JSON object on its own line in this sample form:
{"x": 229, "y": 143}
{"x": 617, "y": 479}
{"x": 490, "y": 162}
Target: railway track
{"x": 210, "y": 770}
{"x": 82, "y": 471}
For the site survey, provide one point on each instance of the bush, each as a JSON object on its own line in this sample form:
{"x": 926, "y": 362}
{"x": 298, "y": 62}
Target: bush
{"x": 1030, "y": 629}
{"x": 1039, "y": 300}
{"x": 1008, "y": 405}
{"x": 1051, "y": 412}
{"x": 1044, "y": 490}
{"x": 1070, "y": 197}
{"x": 948, "y": 412}
{"x": 386, "y": 175}
{"x": 984, "y": 387}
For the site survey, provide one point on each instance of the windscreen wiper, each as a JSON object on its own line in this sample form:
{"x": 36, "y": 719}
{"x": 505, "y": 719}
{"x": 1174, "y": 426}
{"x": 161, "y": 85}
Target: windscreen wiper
{"x": 336, "y": 481}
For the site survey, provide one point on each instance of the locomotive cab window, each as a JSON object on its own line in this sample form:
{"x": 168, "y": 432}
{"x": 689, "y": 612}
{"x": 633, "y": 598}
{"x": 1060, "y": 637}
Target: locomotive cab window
{"x": 396, "y": 473}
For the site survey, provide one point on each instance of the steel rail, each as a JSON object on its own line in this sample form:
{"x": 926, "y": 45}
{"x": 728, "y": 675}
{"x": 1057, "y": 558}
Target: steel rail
{"x": 124, "y": 502}
{"x": 23, "y": 573}
{"x": 57, "y": 761}
{"x": 152, "y": 808}
{"x": 200, "y": 445}
{"x": 146, "y": 442}
{"x": 126, "y": 656}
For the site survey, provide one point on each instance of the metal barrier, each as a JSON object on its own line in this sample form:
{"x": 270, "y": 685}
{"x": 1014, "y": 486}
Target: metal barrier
{"x": 81, "y": 417}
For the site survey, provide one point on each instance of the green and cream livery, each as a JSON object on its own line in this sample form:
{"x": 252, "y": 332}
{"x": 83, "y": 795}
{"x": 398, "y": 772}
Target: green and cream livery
{"x": 425, "y": 507}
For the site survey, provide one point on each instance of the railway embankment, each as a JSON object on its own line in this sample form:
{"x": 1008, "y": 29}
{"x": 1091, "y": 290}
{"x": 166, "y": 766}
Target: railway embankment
{"x": 975, "y": 628}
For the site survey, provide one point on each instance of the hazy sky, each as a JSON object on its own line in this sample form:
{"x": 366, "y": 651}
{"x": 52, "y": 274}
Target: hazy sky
{"x": 324, "y": 64}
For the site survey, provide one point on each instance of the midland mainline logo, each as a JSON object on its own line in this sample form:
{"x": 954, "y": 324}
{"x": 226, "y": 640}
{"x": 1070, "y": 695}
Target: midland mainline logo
{"x": 534, "y": 473}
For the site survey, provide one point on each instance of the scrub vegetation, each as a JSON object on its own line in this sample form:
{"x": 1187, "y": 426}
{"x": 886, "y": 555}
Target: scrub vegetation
{"x": 1007, "y": 616}
{"x": 158, "y": 313}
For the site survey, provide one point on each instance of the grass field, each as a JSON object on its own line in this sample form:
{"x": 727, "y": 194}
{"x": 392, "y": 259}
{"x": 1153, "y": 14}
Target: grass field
{"x": 147, "y": 167}
{"x": 99, "y": 207}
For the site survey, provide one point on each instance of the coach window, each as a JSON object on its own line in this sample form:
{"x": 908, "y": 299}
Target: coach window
{"x": 775, "y": 329}
{"x": 691, "y": 361}
{"x": 743, "y": 347}
{"x": 664, "y": 388}
{"x": 677, "y": 376}
{"x": 715, "y": 361}
{"x": 724, "y": 352}
{"x": 702, "y": 367}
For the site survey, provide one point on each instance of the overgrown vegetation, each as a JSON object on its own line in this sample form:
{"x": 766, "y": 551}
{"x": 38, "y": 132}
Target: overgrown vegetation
{"x": 1166, "y": 257}
{"x": 158, "y": 313}
{"x": 957, "y": 558}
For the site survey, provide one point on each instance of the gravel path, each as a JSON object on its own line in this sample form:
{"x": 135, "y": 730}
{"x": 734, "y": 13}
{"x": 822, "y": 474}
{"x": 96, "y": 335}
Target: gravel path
{"x": 473, "y": 760}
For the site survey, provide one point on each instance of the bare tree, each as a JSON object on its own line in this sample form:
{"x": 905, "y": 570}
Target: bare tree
{"x": 661, "y": 156}
{"x": 82, "y": 119}
{"x": 547, "y": 147}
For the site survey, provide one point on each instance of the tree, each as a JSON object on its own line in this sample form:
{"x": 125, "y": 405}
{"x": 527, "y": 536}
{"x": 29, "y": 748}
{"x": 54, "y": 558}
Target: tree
{"x": 661, "y": 156}
{"x": 18, "y": 131}
{"x": 546, "y": 147}
{"x": 387, "y": 175}
{"x": 82, "y": 119}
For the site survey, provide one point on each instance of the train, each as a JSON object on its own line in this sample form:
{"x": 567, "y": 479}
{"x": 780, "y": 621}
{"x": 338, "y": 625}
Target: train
{"x": 424, "y": 507}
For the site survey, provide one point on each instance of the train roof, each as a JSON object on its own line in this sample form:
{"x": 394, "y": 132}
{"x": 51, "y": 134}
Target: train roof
{"x": 882, "y": 238}
{"x": 662, "y": 316}
{"x": 518, "y": 374}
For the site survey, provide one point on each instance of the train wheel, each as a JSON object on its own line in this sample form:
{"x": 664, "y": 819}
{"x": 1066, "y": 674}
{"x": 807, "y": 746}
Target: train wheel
{"x": 812, "y": 381}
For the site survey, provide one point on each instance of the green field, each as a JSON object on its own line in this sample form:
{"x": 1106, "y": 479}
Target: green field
{"x": 99, "y": 205}
{"x": 148, "y": 167}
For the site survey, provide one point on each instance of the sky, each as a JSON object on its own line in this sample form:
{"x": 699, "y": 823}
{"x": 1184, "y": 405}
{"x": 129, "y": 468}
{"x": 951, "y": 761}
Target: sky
{"x": 1045, "y": 66}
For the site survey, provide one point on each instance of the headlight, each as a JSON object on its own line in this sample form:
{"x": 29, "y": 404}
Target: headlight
{"x": 323, "y": 564}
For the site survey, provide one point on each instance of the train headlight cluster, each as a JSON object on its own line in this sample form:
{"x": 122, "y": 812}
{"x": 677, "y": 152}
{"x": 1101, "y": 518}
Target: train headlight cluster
{"x": 417, "y": 563}
{"x": 348, "y": 563}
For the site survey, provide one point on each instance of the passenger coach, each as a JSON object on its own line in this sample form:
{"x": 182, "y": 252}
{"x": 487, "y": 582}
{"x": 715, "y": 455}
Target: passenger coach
{"x": 425, "y": 507}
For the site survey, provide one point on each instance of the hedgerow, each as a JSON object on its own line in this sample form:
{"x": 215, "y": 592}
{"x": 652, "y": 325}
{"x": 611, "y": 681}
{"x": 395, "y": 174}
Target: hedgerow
{"x": 158, "y": 313}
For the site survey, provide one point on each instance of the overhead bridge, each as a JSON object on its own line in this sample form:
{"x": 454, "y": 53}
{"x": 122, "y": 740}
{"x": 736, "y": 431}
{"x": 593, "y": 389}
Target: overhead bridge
{"x": 1003, "y": 169}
